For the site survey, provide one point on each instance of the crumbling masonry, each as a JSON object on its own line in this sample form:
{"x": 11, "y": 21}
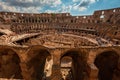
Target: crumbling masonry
{"x": 59, "y": 46}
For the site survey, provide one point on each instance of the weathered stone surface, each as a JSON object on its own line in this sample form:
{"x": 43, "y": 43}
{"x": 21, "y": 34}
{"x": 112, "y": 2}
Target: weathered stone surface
{"x": 28, "y": 43}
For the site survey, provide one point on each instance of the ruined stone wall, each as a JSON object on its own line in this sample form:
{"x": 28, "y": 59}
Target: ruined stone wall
{"x": 29, "y": 63}
{"x": 110, "y": 16}
{"x": 103, "y": 23}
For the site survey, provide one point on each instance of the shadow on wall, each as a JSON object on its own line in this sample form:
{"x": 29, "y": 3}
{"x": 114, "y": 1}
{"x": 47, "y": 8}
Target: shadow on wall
{"x": 107, "y": 63}
{"x": 9, "y": 65}
{"x": 37, "y": 63}
{"x": 78, "y": 66}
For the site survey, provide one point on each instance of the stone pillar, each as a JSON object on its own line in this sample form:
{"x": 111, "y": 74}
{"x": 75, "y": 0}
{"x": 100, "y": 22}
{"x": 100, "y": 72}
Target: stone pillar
{"x": 35, "y": 20}
{"x": 27, "y": 71}
{"x": 116, "y": 75}
{"x": 24, "y": 20}
{"x": 30, "y": 19}
{"x": 56, "y": 73}
{"x": 92, "y": 72}
{"x": 19, "y": 21}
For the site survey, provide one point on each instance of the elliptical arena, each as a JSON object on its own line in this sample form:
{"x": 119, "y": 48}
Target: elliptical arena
{"x": 59, "y": 46}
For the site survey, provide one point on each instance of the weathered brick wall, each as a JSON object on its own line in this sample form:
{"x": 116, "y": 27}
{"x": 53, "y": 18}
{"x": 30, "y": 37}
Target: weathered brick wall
{"x": 32, "y": 61}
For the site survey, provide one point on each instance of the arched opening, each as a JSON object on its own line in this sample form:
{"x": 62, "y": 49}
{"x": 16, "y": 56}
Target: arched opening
{"x": 66, "y": 65}
{"x": 1, "y": 34}
{"x": 38, "y": 62}
{"x": 9, "y": 65}
{"x": 106, "y": 62}
{"x": 48, "y": 67}
{"x": 73, "y": 65}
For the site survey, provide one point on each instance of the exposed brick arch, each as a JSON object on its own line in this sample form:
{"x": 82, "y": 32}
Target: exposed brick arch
{"x": 9, "y": 64}
{"x": 78, "y": 68}
{"x": 66, "y": 65}
{"x": 107, "y": 63}
{"x": 34, "y": 50}
{"x": 116, "y": 50}
{"x": 36, "y": 63}
{"x": 93, "y": 53}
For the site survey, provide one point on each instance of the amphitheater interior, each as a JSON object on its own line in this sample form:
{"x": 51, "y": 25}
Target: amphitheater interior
{"x": 59, "y": 46}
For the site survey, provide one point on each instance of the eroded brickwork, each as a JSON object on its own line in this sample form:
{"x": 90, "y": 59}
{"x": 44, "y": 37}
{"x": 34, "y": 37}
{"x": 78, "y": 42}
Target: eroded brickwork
{"x": 59, "y": 46}
{"x": 85, "y": 64}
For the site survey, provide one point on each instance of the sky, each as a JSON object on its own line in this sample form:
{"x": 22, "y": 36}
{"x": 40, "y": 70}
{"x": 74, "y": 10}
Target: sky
{"x": 74, "y": 7}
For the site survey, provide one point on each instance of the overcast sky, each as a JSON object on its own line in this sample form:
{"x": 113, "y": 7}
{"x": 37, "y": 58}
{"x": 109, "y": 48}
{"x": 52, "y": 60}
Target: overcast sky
{"x": 75, "y": 7}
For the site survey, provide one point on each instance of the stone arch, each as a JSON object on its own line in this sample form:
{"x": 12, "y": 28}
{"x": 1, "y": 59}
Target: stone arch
{"x": 106, "y": 62}
{"x": 78, "y": 67}
{"x": 36, "y": 64}
{"x": 9, "y": 64}
{"x": 66, "y": 64}
{"x": 95, "y": 52}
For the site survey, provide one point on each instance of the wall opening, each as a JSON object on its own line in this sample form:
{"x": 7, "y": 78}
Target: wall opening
{"x": 1, "y": 34}
{"x": 48, "y": 67}
{"x": 38, "y": 63}
{"x": 9, "y": 65}
{"x": 106, "y": 62}
{"x": 66, "y": 67}
{"x": 73, "y": 65}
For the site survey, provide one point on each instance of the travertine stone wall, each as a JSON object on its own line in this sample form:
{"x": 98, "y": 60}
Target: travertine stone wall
{"x": 30, "y": 62}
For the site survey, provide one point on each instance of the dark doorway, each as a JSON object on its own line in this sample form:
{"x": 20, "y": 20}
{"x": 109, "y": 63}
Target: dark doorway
{"x": 106, "y": 62}
{"x": 38, "y": 64}
{"x": 66, "y": 67}
{"x": 9, "y": 65}
{"x": 77, "y": 66}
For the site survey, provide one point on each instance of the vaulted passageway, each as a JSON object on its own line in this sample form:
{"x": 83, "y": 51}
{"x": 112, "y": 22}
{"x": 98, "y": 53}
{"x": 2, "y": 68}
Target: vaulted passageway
{"x": 106, "y": 62}
{"x": 77, "y": 64}
{"x": 37, "y": 64}
{"x": 9, "y": 64}
{"x": 66, "y": 66}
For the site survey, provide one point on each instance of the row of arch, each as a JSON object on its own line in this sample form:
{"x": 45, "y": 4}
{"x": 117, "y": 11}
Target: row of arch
{"x": 106, "y": 62}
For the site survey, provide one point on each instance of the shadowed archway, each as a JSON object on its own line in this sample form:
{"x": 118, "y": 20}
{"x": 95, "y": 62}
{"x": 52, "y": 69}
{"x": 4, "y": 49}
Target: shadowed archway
{"x": 9, "y": 64}
{"x": 66, "y": 66}
{"x": 78, "y": 64}
{"x": 37, "y": 63}
{"x": 106, "y": 62}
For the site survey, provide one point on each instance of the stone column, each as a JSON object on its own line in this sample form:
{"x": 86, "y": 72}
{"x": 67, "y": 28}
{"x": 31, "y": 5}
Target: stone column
{"x": 116, "y": 75}
{"x": 56, "y": 73}
{"x": 30, "y": 19}
{"x": 27, "y": 71}
{"x": 24, "y": 20}
{"x": 92, "y": 72}
{"x": 34, "y": 19}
